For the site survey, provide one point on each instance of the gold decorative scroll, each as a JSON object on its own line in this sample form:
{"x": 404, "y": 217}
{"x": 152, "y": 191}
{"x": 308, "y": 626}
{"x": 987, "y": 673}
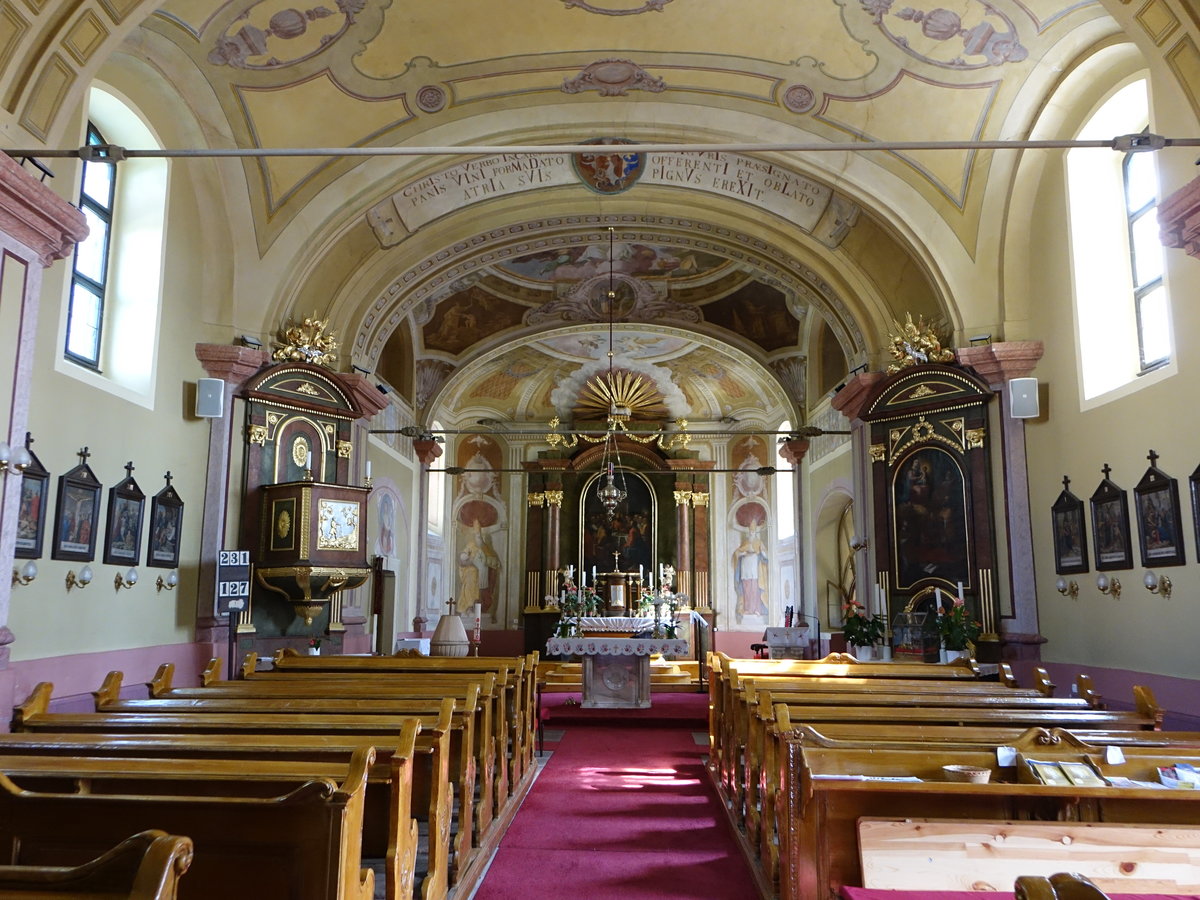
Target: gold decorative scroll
{"x": 535, "y": 499}
{"x": 925, "y": 432}
{"x": 343, "y": 449}
{"x": 912, "y": 344}
{"x": 257, "y": 434}
{"x": 878, "y": 453}
{"x": 699, "y": 498}
{"x": 554, "y": 498}
{"x": 308, "y": 342}
{"x": 300, "y": 451}
{"x": 975, "y": 438}
{"x": 682, "y": 498}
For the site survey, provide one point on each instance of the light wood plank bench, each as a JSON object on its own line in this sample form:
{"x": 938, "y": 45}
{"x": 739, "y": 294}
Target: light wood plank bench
{"x": 302, "y": 845}
{"x": 393, "y": 795}
{"x": 146, "y": 866}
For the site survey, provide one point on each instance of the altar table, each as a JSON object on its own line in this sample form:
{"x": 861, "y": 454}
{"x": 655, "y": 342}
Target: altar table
{"x": 616, "y": 671}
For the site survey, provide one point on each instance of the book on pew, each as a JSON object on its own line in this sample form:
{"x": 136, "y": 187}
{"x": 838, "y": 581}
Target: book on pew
{"x": 1179, "y": 776}
{"x": 1048, "y": 772}
{"x": 1081, "y": 774}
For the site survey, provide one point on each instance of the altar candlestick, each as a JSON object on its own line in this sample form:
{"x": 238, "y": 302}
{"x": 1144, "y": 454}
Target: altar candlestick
{"x": 639, "y": 571}
{"x": 937, "y": 593}
{"x": 593, "y": 574}
{"x": 960, "y": 593}
{"x": 308, "y": 461}
{"x": 368, "y": 470}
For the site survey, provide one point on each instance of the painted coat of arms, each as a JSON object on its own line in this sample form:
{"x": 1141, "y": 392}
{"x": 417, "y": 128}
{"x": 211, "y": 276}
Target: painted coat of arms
{"x": 609, "y": 170}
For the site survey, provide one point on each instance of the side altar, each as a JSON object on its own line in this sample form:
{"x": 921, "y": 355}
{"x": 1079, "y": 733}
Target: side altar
{"x": 616, "y": 670}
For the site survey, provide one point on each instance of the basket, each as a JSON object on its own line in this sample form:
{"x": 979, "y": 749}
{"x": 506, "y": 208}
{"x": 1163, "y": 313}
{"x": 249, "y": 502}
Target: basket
{"x": 969, "y": 774}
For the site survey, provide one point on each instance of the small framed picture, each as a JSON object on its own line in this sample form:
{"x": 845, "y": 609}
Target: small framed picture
{"x": 166, "y": 524}
{"x": 1070, "y": 545}
{"x": 1160, "y": 526}
{"x": 1110, "y": 526}
{"x": 31, "y": 514}
{"x": 123, "y": 531}
{"x": 77, "y": 514}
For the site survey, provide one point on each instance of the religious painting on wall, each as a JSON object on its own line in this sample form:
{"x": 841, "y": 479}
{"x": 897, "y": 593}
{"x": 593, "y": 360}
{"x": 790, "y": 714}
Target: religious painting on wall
{"x": 1194, "y": 484}
{"x": 166, "y": 526}
{"x": 1110, "y": 526}
{"x": 623, "y": 542}
{"x": 749, "y": 515}
{"x": 1160, "y": 527}
{"x": 77, "y": 513}
{"x": 480, "y": 539}
{"x": 31, "y": 514}
{"x": 1070, "y": 547}
{"x": 123, "y": 534}
{"x": 930, "y": 518}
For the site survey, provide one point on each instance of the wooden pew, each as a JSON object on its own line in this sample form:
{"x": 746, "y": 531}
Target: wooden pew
{"x": 302, "y": 845}
{"x": 828, "y": 792}
{"x": 406, "y": 779}
{"x": 492, "y": 716}
{"x": 472, "y": 752}
{"x": 523, "y": 694}
{"x": 146, "y": 866}
{"x": 1059, "y": 886}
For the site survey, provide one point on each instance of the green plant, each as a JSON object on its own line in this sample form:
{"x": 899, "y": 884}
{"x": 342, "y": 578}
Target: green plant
{"x": 956, "y": 626}
{"x": 861, "y": 629}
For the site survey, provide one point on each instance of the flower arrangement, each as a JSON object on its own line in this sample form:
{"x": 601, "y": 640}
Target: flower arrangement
{"x": 577, "y": 601}
{"x": 957, "y": 628}
{"x": 861, "y": 629}
{"x": 314, "y": 642}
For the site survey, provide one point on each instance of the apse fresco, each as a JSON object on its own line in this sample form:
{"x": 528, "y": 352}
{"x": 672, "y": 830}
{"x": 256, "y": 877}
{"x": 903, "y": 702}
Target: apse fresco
{"x": 757, "y": 312}
{"x": 576, "y": 263}
{"x": 467, "y": 317}
{"x": 593, "y": 345}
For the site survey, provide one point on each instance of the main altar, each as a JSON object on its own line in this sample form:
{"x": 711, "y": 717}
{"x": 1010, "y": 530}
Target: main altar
{"x": 616, "y": 670}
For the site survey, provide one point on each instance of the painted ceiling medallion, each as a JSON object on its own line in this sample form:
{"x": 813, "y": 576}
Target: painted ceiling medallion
{"x": 613, "y": 78}
{"x": 925, "y": 34}
{"x": 245, "y": 47}
{"x": 648, "y": 6}
{"x": 608, "y": 171}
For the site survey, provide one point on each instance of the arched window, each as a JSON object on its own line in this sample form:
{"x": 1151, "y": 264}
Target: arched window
{"x": 1122, "y": 309}
{"x": 109, "y": 329}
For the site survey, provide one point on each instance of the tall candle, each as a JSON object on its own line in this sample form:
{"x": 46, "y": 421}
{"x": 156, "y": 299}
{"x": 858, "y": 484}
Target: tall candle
{"x": 937, "y": 593}
{"x": 593, "y": 574}
{"x": 308, "y": 461}
{"x": 368, "y": 468}
{"x": 960, "y": 593}
{"x": 639, "y": 570}
{"x": 582, "y": 577}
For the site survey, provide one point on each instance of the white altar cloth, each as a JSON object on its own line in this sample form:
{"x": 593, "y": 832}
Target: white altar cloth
{"x": 616, "y": 671}
{"x": 615, "y": 623}
{"x": 601, "y": 646}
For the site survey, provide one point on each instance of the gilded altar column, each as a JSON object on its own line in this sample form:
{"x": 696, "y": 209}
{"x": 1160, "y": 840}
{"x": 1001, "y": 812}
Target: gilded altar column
{"x": 535, "y": 548}
{"x": 683, "y": 539}
{"x": 701, "y": 578}
{"x": 554, "y": 501}
{"x": 427, "y": 452}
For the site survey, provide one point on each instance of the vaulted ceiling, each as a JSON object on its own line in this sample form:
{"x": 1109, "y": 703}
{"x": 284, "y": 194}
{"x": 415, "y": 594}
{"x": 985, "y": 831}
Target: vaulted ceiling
{"x": 478, "y": 279}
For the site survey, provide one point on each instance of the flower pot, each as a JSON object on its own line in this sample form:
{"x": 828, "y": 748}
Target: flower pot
{"x": 954, "y": 655}
{"x": 314, "y": 651}
{"x": 862, "y": 654}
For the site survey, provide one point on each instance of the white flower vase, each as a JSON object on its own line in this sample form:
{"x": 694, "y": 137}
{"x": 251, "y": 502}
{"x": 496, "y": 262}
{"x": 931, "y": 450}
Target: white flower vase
{"x": 941, "y": 654}
{"x": 314, "y": 651}
{"x": 862, "y": 654}
{"x": 954, "y": 655}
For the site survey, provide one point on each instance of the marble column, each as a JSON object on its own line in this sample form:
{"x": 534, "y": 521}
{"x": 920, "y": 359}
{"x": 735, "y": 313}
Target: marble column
{"x": 427, "y": 452}
{"x": 793, "y": 451}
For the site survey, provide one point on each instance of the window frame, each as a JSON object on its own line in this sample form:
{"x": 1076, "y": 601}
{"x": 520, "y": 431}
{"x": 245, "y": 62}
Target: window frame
{"x": 1140, "y": 290}
{"x": 78, "y": 279}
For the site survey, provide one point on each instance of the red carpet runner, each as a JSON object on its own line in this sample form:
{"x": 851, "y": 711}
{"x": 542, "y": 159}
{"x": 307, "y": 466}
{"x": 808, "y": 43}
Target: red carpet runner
{"x": 620, "y": 813}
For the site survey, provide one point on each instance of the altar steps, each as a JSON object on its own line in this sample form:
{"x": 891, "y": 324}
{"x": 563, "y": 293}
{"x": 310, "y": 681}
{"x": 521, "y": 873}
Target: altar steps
{"x": 665, "y": 676}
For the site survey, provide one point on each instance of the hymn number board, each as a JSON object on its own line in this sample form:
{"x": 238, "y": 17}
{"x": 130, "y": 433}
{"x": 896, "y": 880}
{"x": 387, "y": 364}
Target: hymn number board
{"x": 233, "y": 581}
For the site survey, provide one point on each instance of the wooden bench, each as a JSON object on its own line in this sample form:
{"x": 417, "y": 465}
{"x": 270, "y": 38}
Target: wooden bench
{"x": 301, "y": 845}
{"x": 827, "y": 792}
{"x": 405, "y": 781}
{"x": 522, "y": 689}
{"x": 146, "y": 866}
{"x": 472, "y": 752}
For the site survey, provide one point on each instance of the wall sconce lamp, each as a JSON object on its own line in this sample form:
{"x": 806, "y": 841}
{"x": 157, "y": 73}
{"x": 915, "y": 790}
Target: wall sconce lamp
{"x": 249, "y": 340}
{"x": 128, "y": 580}
{"x": 167, "y": 583}
{"x": 977, "y": 339}
{"x": 1157, "y": 584}
{"x": 14, "y": 462}
{"x": 1068, "y": 588}
{"x": 1108, "y": 585}
{"x": 25, "y": 574}
{"x": 82, "y": 580}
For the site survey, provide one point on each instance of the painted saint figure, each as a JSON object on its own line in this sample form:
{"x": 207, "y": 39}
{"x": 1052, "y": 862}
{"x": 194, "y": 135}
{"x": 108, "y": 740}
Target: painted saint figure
{"x": 478, "y": 569}
{"x": 750, "y": 574}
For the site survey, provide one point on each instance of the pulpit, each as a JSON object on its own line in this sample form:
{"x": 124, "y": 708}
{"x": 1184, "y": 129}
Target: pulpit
{"x": 313, "y": 542}
{"x": 616, "y": 671}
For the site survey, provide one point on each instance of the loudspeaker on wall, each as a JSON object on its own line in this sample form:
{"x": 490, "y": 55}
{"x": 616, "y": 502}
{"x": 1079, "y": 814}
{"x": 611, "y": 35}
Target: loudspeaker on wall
{"x": 210, "y": 398}
{"x": 1023, "y": 398}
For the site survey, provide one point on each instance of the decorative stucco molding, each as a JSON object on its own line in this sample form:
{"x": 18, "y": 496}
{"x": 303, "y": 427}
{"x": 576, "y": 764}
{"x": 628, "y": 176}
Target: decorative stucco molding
{"x": 37, "y": 217}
